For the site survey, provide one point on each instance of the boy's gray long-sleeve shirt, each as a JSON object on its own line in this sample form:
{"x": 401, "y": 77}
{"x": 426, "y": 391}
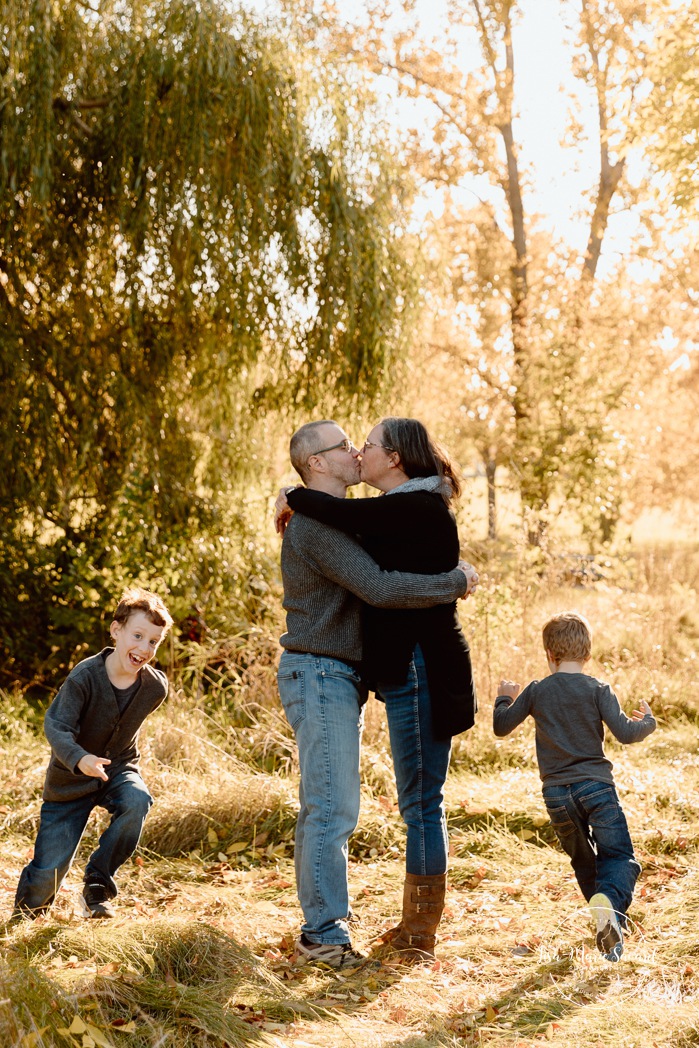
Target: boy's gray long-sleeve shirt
{"x": 327, "y": 574}
{"x": 85, "y": 718}
{"x": 570, "y": 711}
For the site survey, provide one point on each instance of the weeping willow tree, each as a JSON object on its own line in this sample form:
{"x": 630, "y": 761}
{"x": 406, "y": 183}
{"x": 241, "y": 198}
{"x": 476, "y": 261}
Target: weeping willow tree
{"x": 187, "y": 239}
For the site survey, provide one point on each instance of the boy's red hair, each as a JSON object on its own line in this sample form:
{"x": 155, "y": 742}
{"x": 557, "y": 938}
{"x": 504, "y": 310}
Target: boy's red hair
{"x": 137, "y": 599}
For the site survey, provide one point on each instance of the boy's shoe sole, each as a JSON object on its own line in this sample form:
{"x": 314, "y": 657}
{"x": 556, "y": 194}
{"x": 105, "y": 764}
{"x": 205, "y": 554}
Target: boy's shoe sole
{"x": 101, "y": 911}
{"x": 335, "y": 955}
{"x": 610, "y": 938}
{"x": 97, "y": 909}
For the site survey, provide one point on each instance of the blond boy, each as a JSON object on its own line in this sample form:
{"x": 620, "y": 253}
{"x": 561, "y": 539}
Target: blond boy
{"x": 570, "y": 709}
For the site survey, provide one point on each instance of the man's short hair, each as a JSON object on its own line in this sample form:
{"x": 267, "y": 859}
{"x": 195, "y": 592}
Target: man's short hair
{"x": 568, "y": 637}
{"x": 137, "y": 599}
{"x": 303, "y": 444}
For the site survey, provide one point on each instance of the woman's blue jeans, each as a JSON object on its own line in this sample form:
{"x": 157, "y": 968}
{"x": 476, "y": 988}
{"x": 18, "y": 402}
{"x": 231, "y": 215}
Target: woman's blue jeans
{"x": 421, "y": 763}
{"x": 63, "y": 823}
{"x": 592, "y": 829}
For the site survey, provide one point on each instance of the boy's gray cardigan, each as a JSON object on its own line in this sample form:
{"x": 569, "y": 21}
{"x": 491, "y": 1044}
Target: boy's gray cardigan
{"x": 84, "y": 718}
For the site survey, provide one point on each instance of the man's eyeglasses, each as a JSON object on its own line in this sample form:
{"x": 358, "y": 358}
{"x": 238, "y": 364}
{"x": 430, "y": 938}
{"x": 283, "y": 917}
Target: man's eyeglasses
{"x": 373, "y": 444}
{"x": 345, "y": 444}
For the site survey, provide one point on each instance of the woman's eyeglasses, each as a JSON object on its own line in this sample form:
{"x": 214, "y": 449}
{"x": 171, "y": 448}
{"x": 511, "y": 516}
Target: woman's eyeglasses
{"x": 373, "y": 444}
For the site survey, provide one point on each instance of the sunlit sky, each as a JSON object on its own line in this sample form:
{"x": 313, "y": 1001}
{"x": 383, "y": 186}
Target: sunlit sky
{"x": 555, "y": 177}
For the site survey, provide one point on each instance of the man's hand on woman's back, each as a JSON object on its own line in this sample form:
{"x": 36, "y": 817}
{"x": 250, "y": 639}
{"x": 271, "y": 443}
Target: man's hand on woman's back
{"x": 282, "y": 511}
{"x": 471, "y": 574}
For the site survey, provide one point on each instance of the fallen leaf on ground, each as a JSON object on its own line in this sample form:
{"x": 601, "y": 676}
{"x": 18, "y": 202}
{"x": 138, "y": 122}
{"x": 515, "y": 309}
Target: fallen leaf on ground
{"x": 108, "y": 969}
{"x": 399, "y": 1015}
{"x": 31, "y": 1039}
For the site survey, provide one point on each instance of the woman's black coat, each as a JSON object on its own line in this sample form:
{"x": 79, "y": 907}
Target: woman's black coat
{"x": 407, "y": 531}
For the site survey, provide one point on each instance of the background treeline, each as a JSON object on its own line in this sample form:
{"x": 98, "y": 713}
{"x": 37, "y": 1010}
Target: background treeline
{"x": 208, "y": 231}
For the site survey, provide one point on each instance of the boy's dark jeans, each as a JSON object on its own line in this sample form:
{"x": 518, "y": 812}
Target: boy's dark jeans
{"x": 592, "y": 829}
{"x": 62, "y": 824}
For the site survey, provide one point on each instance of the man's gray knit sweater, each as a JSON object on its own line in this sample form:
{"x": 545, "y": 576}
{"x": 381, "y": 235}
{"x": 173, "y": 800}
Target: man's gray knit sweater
{"x": 569, "y": 711}
{"x": 327, "y": 574}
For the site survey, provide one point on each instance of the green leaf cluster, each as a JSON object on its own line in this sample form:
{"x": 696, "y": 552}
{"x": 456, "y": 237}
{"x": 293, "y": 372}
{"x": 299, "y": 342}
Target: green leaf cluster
{"x": 185, "y": 243}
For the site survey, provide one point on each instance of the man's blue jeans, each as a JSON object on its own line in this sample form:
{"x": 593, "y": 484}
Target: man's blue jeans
{"x": 322, "y": 699}
{"x": 592, "y": 829}
{"x": 421, "y": 763}
{"x": 62, "y": 825}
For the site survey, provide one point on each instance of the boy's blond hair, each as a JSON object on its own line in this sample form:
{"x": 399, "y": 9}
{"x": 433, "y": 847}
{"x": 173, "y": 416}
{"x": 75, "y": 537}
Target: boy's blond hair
{"x": 568, "y": 637}
{"x": 137, "y": 599}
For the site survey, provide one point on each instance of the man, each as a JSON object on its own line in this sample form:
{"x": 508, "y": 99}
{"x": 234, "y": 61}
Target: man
{"x": 326, "y": 576}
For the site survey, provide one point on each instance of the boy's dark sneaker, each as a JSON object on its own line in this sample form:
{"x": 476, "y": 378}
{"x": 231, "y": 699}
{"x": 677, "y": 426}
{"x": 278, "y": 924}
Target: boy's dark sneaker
{"x": 95, "y": 901}
{"x": 610, "y": 938}
{"x": 335, "y": 955}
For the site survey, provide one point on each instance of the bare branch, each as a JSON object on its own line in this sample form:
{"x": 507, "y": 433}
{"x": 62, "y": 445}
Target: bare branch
{"x": 422, "y": 81}
{"x": 91, "y": 103}
{"x": 487, "y": 47}
{"x": 84, "y": 128}
{"x": 610, "y": 174}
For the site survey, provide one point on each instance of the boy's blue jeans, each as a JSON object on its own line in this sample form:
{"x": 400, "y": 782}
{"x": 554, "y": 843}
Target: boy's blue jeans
{"x": 592, "y": 830}
{"x": 62, "y": 825}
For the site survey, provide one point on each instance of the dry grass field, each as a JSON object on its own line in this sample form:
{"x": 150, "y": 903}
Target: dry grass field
{"x": 202, "y": 954}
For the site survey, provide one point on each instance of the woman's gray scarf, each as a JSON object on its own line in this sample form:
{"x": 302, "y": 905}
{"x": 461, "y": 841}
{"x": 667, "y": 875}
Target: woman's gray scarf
{"x": 435, "y": 483}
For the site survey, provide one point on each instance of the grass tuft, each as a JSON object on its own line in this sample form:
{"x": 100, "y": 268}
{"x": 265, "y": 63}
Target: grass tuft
{"x": 202, "y": 955}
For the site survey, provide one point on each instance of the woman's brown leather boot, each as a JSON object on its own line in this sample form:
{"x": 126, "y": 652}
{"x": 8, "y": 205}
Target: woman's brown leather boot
{"x": 423, "y": 903}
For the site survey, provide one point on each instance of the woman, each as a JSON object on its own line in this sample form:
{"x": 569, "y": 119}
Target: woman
{"x": 417, "y": 661}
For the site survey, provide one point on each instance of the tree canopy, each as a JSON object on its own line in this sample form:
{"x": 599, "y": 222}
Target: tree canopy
{"x": 186, "y": 237}
{"x": 527, "y": 339}
{"x": 669, "y": 119}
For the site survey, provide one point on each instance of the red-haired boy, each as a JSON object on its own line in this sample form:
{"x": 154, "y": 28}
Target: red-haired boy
{"x": 92, "y": 726}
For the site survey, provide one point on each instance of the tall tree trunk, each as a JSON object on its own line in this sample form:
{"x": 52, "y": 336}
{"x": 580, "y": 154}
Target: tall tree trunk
{"x": 532, "y": 497}
{"x": 610, "y": 174}
{"x": 490, "y": 468}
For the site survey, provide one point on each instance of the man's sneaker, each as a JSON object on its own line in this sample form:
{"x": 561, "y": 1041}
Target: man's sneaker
{"x": 610, "y": 938}
{"x": 335, "y": 955}
{"x": 95, "y": 901}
